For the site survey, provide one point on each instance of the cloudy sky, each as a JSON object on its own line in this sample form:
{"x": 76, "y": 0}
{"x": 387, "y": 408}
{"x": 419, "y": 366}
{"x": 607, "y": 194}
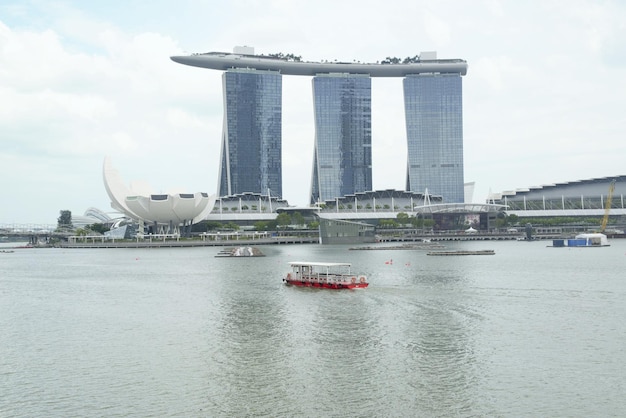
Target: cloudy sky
{"x": 544, "y": 97}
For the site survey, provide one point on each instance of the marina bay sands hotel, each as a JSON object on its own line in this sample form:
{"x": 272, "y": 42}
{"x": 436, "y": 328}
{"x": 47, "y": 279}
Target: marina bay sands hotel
{"x": 251, "y": 159}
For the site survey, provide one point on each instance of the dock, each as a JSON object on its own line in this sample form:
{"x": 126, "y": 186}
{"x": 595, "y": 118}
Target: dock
{"x": 462, "y": 252}
{"x": 418, "y": 246}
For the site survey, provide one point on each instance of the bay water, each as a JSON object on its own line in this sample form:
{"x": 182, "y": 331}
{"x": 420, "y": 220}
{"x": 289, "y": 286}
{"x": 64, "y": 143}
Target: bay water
{"x": 178, "y": 332}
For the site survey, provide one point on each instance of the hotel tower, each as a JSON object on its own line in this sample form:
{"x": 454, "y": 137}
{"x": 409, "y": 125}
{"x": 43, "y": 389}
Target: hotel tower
{"x": 342, "y": 160}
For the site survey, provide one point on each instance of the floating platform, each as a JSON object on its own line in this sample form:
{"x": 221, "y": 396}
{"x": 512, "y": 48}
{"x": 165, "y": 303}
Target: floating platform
{"x": 583, "y": 240}
{"x": 418, "y": 246}
{"x": 462, "y": 252}
{"x": 241, "y": 252}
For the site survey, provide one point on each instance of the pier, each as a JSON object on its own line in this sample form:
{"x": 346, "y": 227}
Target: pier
{"x": 186, "y": 243}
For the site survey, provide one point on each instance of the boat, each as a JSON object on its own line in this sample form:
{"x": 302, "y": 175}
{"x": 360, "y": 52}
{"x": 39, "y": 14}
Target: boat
{"x": 240, "y": 252}
{"x": 595, "y": 239}
{"x": 324, "y": 275}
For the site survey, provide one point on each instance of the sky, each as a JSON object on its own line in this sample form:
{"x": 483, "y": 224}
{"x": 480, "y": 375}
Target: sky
{"x": 544, "y": 99}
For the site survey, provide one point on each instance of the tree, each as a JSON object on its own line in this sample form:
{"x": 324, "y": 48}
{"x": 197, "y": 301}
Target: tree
{"x": 65, "y": 219}
{"x": 99, "y": 228}
{"x": 403, "y": 218}
{"x": 417, "y": 221}
{"x": 261, "y": 226}
{"x": 297, "y": 218}
{"x": 231, "y": 225}
{"x": 283, "y": 219}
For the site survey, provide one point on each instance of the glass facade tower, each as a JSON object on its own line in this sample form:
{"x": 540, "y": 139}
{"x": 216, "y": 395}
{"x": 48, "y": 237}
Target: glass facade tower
{"x": 251, "y": 159}
{"x": 342, "y": 162}
{"x": 434, "y": 123}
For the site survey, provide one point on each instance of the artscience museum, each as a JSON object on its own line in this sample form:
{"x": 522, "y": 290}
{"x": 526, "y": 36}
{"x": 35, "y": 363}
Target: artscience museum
{"x": 170, "y": 213}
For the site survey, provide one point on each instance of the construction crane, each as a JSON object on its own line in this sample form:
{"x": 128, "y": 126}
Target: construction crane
{"x": 607, "y": 206}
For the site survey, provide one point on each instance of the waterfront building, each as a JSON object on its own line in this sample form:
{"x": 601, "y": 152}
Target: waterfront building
{"x": 342, "y": 99}
{"x": 164, "y": 213}
{"x": 580, "y": 198}
{"x": 342, "y": 160}
{"x": 434, "y": 125}
{"x": 250, "y": 160}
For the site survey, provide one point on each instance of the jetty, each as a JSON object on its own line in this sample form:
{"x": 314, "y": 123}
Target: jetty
{"x": 419, "y": 246}
{"x": 462, "y": 252}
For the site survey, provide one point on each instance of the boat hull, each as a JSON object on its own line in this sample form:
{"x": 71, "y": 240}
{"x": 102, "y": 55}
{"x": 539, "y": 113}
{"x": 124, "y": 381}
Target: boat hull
{"x": 326, "y": 285}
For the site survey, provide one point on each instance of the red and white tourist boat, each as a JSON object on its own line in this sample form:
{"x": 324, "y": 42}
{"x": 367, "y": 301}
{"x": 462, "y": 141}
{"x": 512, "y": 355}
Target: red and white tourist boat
{"x": 324, "y": 275}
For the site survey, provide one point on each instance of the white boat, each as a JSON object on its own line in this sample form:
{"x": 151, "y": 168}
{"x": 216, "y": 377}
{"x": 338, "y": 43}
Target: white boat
{"x": 324, "y": 275}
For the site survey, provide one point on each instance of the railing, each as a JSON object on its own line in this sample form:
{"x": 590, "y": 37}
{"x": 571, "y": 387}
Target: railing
{"x": 21, "y": 229}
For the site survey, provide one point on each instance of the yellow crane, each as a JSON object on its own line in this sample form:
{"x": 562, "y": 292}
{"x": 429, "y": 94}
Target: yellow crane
{"x": 607, "y": 206}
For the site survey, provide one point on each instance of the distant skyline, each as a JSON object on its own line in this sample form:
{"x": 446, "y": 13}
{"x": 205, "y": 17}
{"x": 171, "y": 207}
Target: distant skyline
{"x": 543, "y": 97}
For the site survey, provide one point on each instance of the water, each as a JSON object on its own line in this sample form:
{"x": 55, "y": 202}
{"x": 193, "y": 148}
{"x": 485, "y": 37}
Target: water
{"x": 530, "y": 331}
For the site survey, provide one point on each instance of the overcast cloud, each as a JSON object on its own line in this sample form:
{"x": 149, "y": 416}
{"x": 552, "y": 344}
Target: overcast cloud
{"x": 544, "y": 97}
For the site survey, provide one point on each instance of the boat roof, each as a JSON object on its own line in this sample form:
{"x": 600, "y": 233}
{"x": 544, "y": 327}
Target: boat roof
{"x": 318, "y": 264}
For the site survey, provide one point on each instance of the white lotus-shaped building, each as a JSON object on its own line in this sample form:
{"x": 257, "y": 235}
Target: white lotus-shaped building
{"x": 139, "y": 203}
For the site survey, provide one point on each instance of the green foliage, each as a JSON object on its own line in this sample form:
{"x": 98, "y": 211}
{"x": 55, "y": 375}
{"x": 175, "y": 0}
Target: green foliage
{"x": 396, "y": 60}
{"x": 297, "y": 218}
{"x": 206, "y": 226}
{"x": 283, "y": 219}
{"x": 261, "y": 226}
{"x": 232, "y": 225}
{"x": 286, "y": 57}
{"x": 429, "y": 223}
{"x": 64, "y": 220}
{"x": 81, "y": 232}
{"x": 402, "y": 217}
{"x": 211, "y": 225}
{"x": 99, "y": 228}
{"x": 417, "y": 222}
{"x": 388, "y": 223}
{"x": 560, "y": 221}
